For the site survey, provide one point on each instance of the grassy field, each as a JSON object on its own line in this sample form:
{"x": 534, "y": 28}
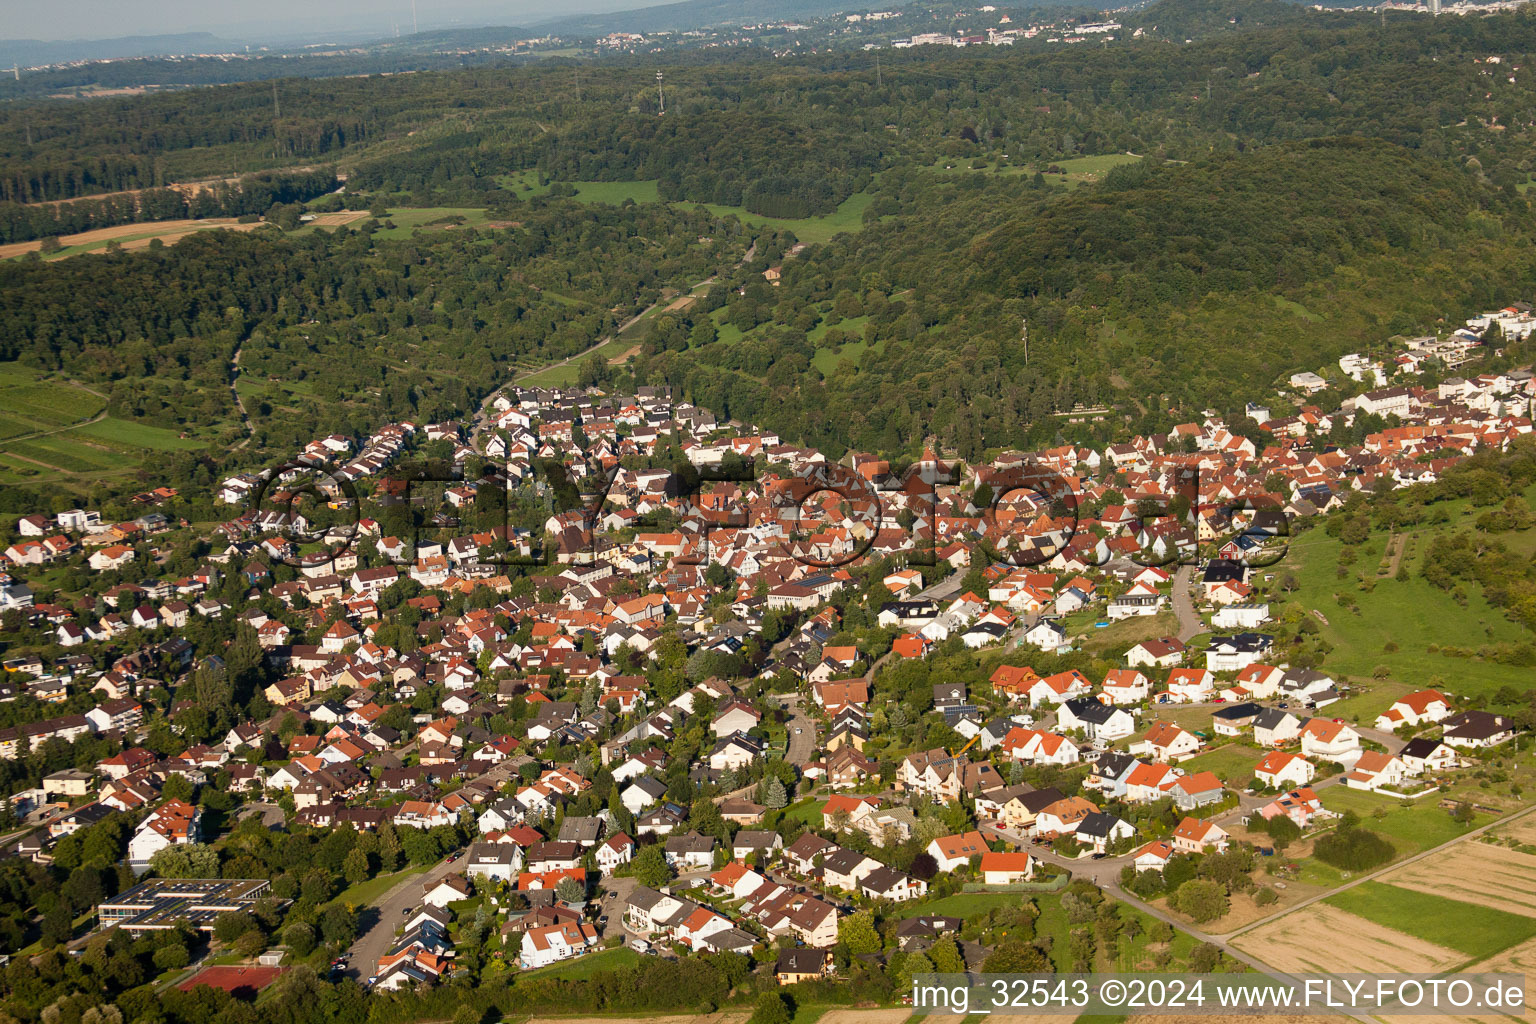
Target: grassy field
{"x": 118, "y": 433}
{"x": 1233, "y": 763}
{"x": 555, "y": 376}
{"x": 406, "y": 221}
{"x": 616, "y": 192}
{"x": 31, "y": 404}
{"x": 808, "y": 812}
{"x": 368, "y": 893}
{"x": 826, "y": 360}
{"x": 1409, "y": 612}
{"x": 1466, "y": 927}
{"x": 849, "y": 216}
{"x": 586, "y": 966}
{"x": 961, "y": 904}
{"x": 1411, "y": 825}
{"x": 1075, "y": 173}
{"x": 1121, "y": 635}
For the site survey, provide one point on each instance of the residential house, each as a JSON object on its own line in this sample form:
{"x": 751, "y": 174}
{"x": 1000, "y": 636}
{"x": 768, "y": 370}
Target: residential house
{"x": 1193, "y": 835}
{"x": 1166, "y": 742}
{"x": 1278, "y": 769}
{"x": 1330, "y": 741}
{"x": 951, "y": 852}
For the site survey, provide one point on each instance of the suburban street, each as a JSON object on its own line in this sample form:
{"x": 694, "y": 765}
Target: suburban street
{"x": 1190, "y": 623}
{"x": 802, "y": 730}
{"x": 377, "y": 923}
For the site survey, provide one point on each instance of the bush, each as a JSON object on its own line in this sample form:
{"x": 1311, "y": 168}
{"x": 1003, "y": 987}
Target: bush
{"x": 1265, "y": 896}
{"x": 1351, "y": 848}
{"x": 772, "y": 1008}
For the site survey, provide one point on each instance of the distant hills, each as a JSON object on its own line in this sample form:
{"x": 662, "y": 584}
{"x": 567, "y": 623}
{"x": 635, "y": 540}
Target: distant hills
{"x": 690, "y": 14}
{"x": 37, "y": 51}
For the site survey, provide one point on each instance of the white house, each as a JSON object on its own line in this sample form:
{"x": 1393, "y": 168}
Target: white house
{"x": 1046, "y": 635}
{"x": 1330, "y": 741}
{"x": 1375, "y": 770}
{"x": 1125, "y": 686}
{"x": 556, "y": 942}
{"x": 1278, "y": 768}
{"x": 1415, "y": 709}
{"x": 957, "y": 850}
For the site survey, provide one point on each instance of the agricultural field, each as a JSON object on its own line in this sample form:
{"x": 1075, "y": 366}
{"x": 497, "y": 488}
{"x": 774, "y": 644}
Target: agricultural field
{"x": 1355, "y": 945}
{"x": 1475, "y": 930}
{"x": 53, "y": 429}
{"x": 1519, "y": 959}
{"x": 1473, "y": 872}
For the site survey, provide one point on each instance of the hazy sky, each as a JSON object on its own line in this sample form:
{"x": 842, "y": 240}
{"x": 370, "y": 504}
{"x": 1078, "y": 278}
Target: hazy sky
{"x": 261, "y": 19}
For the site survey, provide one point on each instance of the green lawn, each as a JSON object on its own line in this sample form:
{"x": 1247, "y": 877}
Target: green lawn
{"x": 1411, "y": 825}
{"x": 1465, "y": 927}
{"x": 555, "y": 376}
{"x": 826, "y": 359}
{"x": 583, "y": 967}
{"x": 1078, "y": 171}
{"x": 807, "y": 812}
{"x": 365, "y": 894}
{"x": 849, "y": 216}
{"x": 1095, "y": 165}
{"x": 961, "y": 904}
{"x": 1120, "y": 636}
{"x": 1233, "y": 763}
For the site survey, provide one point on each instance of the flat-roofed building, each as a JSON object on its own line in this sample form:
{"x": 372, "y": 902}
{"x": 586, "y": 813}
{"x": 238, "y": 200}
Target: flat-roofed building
{"x": 161, "y": 903}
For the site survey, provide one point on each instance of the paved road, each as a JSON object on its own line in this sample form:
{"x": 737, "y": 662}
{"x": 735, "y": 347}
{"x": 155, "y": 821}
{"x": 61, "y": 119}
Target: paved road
{"x": 802, "y": 730}
{"x": 1183, "y": 607}
{"x": 378, "y": 922}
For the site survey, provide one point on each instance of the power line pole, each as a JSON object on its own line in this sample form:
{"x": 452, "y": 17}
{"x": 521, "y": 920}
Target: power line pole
{"x": 878, "y": 83}
{"x": 1025, "y": 339}
{"x": 276, "y": 111}
{"x": 661, "y": 96}
{"x": 414, "y": 26}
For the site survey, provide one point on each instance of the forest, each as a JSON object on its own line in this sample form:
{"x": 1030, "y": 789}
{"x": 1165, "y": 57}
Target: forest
{"x": 251, "y": 195}
{"x": 1290, "y": 186}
